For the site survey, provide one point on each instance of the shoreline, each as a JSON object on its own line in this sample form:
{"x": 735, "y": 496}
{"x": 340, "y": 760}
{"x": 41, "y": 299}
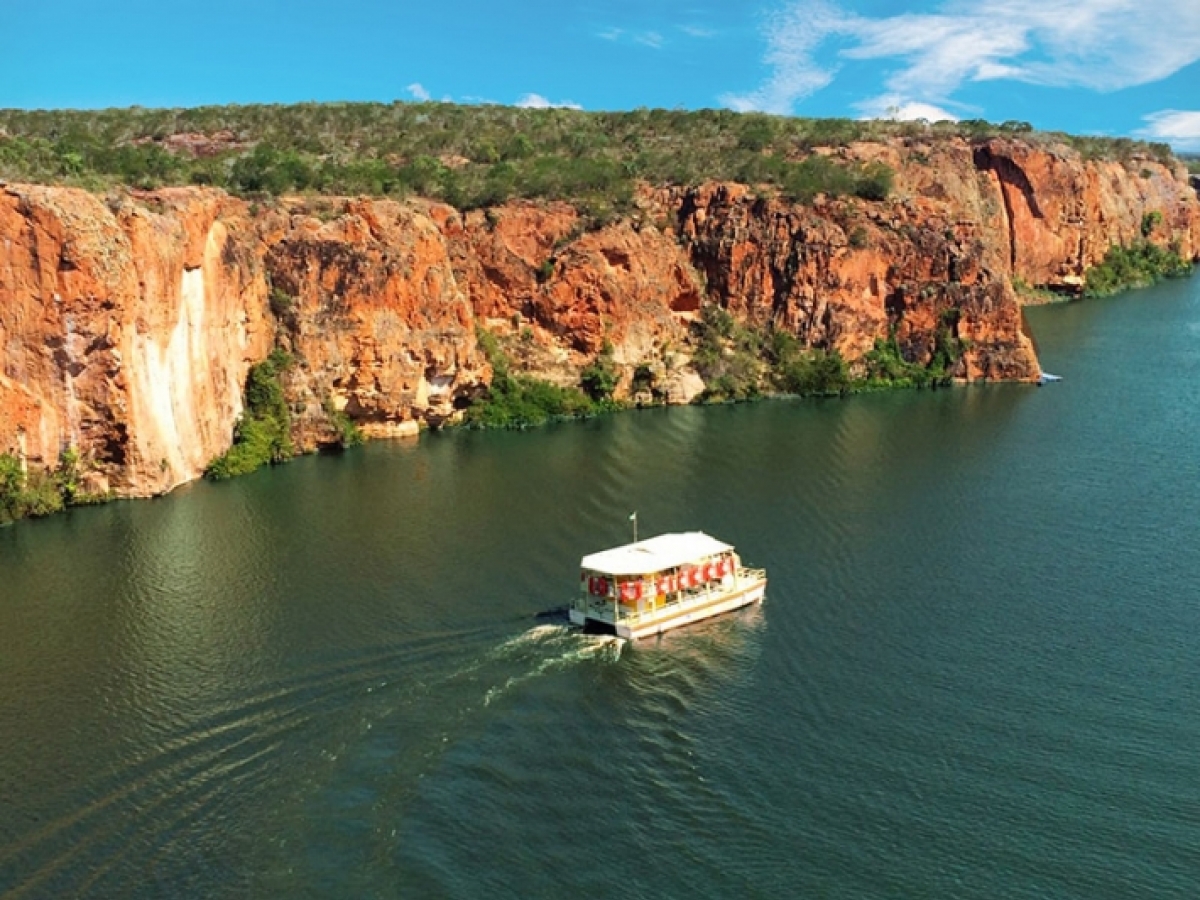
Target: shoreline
{"x": 861, "y": 387}
{"x": 333, "y": 450}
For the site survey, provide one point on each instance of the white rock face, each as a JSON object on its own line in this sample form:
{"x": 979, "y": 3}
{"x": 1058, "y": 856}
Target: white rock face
{"x": 684, "y": 387}
{"x": 184, "y": 395}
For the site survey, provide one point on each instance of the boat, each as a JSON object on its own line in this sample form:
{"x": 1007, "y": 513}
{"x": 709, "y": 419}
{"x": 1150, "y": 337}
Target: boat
{"x": 651, "y": 586}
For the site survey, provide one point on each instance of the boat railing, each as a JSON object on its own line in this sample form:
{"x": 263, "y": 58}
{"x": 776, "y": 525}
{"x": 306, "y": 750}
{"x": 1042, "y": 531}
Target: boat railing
{"x": 698, "y": 595}
{"x": 602, "y": 607}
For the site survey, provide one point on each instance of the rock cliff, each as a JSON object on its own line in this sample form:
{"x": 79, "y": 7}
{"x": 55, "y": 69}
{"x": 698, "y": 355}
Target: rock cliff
{"x": 1062, "y": 215}
{"x": 369, "y": 306}
{"x": 125, "y": 330}
{"x": 128, "y": 324}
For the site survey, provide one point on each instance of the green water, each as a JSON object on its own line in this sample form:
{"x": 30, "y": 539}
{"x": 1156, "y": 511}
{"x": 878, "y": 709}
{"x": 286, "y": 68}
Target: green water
{"x": 976, "y": 673}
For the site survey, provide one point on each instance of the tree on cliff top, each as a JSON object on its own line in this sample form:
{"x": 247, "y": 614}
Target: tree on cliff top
{"x": 469, "y": 156}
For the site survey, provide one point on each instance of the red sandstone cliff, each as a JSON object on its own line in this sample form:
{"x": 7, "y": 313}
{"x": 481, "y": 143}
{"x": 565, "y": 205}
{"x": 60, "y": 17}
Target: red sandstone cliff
{"x": 125, "y": 330}
{"x": 127, "y": 327}
{"x": 378, "y": 324}
{"x": 1062, "y": 216}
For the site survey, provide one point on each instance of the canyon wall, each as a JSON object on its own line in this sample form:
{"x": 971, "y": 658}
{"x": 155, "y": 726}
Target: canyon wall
{"x": 128, "y": 324}
{"x": 124, "y": 331}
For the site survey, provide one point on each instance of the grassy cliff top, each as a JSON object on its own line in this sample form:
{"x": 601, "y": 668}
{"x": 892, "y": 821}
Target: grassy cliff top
{"x": 469, "y": 156}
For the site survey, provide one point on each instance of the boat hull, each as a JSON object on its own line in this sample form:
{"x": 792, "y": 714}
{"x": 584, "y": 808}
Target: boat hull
{"x": 674, "y": 615}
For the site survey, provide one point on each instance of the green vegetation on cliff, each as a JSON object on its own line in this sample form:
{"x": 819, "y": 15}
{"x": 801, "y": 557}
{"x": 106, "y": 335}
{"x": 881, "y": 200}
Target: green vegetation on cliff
{"x": 740, "y": 362}
{"x": 599, "y": 378}
{"x": 41, "y": 492}
{"x": 806, "y": 373}
{"x": 729, "y": 356}
{"x": 347, "y": 433}
{"x": 886, "y": 365}
{"x": 521, "y": 401}
{"x": 468, "y": 156}
{"x": 1138, "y": 265}
{"x": 263, "y": 434}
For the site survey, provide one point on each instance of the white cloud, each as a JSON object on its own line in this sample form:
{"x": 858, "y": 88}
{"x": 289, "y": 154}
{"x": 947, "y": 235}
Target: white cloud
{"x": 791, "y": 41}
{"x": 1102, "y": 45}
{"x": 537, "y": 101}
{"x": 697, "y": 31}
{"x": 652, "y": 39}
{"x": 891, "y": 106}
{"x": 418, "y": 92}
{"x": 1179, "y": 128}
{"x": 939, "y": 52}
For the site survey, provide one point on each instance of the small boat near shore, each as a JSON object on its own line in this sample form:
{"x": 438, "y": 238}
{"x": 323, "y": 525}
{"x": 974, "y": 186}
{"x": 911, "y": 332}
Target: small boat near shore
{"x": 651, "y": 586}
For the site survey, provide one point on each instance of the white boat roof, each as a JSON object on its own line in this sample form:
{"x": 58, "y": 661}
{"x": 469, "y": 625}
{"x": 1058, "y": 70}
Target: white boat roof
{"x": 656, "y": 554}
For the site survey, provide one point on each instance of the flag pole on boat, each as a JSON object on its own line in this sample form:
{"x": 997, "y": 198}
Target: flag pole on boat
{"x": 633, "y": 519}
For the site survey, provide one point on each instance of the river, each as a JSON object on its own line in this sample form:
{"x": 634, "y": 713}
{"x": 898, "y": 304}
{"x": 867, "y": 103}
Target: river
{"x": 976, "y": 673}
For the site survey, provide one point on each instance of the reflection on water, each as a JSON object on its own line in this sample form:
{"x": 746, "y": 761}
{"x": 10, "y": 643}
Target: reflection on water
{"x": 972, "y": 675}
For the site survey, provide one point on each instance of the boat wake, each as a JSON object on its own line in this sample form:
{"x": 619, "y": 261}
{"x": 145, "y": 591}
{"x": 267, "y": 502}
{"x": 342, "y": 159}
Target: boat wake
{"x": 546, "y": 648}
{"x": 310, "y": 741}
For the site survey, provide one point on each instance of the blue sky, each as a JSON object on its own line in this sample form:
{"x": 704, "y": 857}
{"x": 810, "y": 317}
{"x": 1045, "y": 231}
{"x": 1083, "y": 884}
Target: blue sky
{"x": 1118, "y": 67}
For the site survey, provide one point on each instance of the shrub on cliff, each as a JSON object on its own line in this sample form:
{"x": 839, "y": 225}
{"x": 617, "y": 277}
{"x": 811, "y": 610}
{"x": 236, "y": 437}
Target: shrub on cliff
{"x": 599, "y": 378}
{"x": 757, "y": 133}
{"x": 728, "y": 356}
{"x": 806, "y": 373}
{"x": 523, "y": 402}
{"x": 263, "y": 434}
{"x": 41, "y": 492}
{"x": 817, "y": 373}
{"x": 348, "y": 434}
{"x": 739, "y": 362}
{"x": 283, "y": 304}
{"x": 874, "y": 182}
{"x": 886, "y": 365}
{"x": 519, "y": 401}
{"x": 1139, "y": 265}
{"x": 12, "y": 487}
{"x": 948, "y": 347}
